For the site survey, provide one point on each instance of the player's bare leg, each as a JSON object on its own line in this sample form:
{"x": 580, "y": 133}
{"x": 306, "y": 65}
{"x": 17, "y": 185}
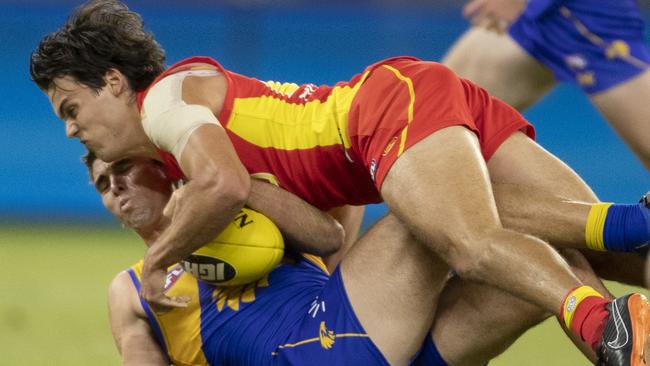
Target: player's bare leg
{"x": 393, "y": 283}
{"x": 627, "y": 268}
{"x": 452, "y": 210}
{"x": 561, "y": 220}
{"x": 493, "y": 319}
{"x": 427, "y": 188}
{"x": 538, "y": 194}
{"x": 626, "y": 109}
{"x": 543, "y": 171}
{"x": 558, "y": 219}
{"x": 497, "y": 63}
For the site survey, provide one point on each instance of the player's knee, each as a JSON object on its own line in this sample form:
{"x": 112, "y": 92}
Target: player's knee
{"x": 470, "y": 266}
{"x": 473, "y": 255}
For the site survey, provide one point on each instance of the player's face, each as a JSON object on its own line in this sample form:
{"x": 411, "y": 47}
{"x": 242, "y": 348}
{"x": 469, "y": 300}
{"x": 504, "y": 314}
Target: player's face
{"x": 134, "y": 190}
{"x": 106, "y": 121}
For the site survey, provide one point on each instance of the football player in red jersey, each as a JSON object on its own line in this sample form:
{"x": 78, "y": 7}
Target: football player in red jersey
{"x": 408, "y": 132}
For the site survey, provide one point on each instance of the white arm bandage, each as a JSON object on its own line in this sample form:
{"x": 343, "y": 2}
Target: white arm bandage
{"x": 167, "y": 120}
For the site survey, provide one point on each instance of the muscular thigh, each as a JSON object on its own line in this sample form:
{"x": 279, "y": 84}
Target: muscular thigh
{"x": 392, "y": 283}
{"x": 498, "y": 64}
{"x": 440, "y": 189}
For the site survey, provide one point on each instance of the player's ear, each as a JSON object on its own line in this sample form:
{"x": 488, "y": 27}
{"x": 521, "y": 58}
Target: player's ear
{"x": 116, "y": 82}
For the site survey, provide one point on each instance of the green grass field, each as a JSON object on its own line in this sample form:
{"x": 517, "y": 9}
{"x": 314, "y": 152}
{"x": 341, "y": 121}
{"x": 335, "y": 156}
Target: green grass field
{"x": 53, "y": 300}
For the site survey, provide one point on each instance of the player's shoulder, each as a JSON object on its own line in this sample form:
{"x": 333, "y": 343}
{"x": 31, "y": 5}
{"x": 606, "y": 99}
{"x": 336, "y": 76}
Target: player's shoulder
{"x": 123, "y": 294}
{"x": 121, "y": 285}
{"x": 195, "y": 63}
{"x": 124, "y": 281}
{"x": 192, "y": 81}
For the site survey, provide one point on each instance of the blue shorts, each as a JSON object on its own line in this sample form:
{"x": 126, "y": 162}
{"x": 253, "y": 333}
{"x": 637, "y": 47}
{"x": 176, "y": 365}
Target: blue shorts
{"x": 429, "y": 355}
{"x": 329, "y": 333}
{"x": 596, "y": 44}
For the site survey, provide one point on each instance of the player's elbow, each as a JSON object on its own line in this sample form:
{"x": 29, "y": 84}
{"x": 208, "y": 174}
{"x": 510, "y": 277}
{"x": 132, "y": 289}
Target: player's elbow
{"x": 228, "y": 191}
{"x": 235, "y": 191}
{"x": 323, "y": 244}
{"x": 333, "y": 241}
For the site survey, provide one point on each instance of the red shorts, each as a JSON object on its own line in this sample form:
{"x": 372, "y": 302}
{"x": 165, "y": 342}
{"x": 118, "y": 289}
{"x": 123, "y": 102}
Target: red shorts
{"x": 403, "y": 100}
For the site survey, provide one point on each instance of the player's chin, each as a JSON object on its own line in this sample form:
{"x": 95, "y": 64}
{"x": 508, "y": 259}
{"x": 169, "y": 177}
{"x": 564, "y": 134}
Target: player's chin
{"x": 101, "y": 153}
{"x": 106, "y": 154}
{"x": 138, "y": 219}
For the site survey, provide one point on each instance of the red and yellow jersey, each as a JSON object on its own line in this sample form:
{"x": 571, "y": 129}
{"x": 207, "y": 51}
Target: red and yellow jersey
{"x": 293, "y": 134}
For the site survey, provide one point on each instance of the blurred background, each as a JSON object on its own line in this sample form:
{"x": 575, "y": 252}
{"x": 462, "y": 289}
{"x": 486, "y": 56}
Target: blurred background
{"x": 59, "y": 248}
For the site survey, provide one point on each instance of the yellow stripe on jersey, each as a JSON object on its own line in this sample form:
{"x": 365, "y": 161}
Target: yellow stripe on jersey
{"x": 318, "y": 261}
{"x": 316, "y": 339}
{"x": 326, "y": 337}
{"x": 181, "y": 327}
{"x": 283, "y": 88}
{"x": 411, "y": 107}
{"x": 268, "y": 177}
{"x": 270, "y": 122}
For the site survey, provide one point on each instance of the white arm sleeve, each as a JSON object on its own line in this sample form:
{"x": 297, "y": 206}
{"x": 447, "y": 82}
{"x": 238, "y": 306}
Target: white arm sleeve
{"x": 167, "y": 120}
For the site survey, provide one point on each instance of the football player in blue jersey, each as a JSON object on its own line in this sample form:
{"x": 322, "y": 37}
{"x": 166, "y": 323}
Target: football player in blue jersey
{"x": 298, "y": 314}
{"x": 518, "y": 50}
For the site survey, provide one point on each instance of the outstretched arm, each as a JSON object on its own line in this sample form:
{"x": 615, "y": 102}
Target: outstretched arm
{"x": 131, "y": 331}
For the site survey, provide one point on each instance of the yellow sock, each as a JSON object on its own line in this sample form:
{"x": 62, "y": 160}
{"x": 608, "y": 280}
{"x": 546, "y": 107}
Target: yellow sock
{"x": 596, "y": 226}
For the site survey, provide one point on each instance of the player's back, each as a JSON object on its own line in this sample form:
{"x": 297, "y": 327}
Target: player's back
{"x": 238, "y": 325}
{"x": 295, "y": 134}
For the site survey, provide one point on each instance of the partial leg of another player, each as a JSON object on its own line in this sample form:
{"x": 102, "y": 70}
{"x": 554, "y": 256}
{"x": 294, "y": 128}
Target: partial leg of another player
{"x": 498, "y": 64}
{"x": 538, "y": 194}
{"x": 627, "y": 110}
{"x": 561, "y": 221}
{"x": 489, "y": 320}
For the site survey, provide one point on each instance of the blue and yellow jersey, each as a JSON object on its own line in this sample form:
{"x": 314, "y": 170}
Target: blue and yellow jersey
{"x": 294, "y": 134}
{"x": 238, "y": 325}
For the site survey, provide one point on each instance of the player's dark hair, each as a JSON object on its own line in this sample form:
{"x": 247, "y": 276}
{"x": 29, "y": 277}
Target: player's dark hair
{"x": 98, "y": 36}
